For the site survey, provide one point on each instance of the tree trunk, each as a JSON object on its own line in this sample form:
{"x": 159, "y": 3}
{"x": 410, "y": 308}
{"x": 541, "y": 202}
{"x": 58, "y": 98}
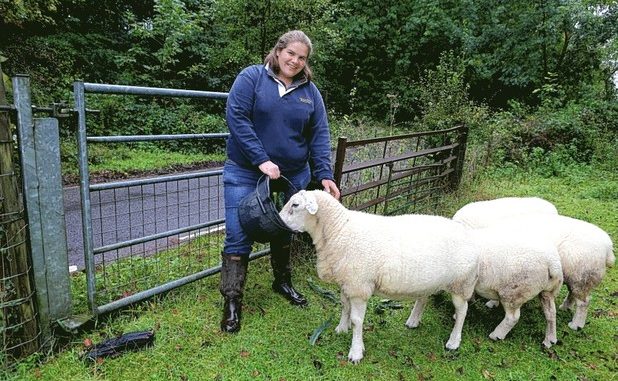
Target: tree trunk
{"x": 17, "y": 307}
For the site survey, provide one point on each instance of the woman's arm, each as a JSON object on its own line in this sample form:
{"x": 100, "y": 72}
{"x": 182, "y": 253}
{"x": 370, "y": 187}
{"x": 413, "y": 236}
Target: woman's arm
{"x": 238, "y": 116}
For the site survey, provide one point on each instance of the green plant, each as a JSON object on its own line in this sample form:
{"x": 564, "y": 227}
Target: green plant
{"x": 580, "y": 132}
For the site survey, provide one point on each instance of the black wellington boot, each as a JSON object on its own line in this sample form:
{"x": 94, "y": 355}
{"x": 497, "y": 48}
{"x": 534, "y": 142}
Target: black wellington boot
{"x": 233, "y": 275}
{"x": 282, "y": 271}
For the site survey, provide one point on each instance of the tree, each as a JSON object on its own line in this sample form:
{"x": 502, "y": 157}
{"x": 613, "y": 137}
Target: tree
{"x": 519, "y": 46}
{"x": 20, "y": 13}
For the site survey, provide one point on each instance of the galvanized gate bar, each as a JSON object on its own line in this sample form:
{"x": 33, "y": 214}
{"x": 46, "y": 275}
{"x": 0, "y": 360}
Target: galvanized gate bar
{"x": 148, "y": 138}
{"x": 141, "y": 90}
{"x": 362, "y": 142}
{"x": 159, "y": 179}
{"x": 167, "y": 286}
{"x": 400, "y": 157}
{"x": 169, "y": 233}
{"x": 84, "y": 179}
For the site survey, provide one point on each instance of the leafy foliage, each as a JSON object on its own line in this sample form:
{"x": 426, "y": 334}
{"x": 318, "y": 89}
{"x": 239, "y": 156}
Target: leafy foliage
{"x": 550, "y": 139}
{"x": 364, "y": 49}
{"x": 522, "y": 75}
{"x": 18, "y": 13}
{"x": 444, "y": 96}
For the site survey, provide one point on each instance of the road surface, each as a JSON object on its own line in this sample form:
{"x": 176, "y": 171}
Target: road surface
{"x": 137, "y": 211}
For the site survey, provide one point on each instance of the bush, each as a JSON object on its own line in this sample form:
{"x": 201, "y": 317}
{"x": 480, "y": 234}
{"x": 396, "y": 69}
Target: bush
{"x": 121, "y": 115}
{"x": 582, "y": 133}
{"x": 55, "y": 61}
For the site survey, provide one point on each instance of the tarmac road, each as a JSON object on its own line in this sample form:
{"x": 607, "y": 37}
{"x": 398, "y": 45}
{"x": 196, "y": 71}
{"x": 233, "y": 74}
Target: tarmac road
{"x": 138, "y": 211}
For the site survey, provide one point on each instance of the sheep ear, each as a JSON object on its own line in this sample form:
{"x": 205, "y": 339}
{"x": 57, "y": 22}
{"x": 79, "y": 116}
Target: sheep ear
{"x": 311, "y": 204}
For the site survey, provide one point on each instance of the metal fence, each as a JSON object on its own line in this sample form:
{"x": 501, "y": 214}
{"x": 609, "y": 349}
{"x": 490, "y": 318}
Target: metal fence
{"x": 19, "y": 330}
{"x": 146, "y": 236}
{"x": 32, "y": 236}
{"x": 180, "y": 217}
{"x": 400, "y": 174}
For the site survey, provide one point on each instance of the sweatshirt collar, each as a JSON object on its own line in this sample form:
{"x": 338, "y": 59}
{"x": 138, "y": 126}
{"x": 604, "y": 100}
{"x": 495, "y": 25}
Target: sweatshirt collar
{"x": 301, "y": 80}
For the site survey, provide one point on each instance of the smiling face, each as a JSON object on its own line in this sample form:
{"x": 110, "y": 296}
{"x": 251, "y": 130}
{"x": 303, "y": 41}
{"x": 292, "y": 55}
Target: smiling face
{"x": 291, "y": 60}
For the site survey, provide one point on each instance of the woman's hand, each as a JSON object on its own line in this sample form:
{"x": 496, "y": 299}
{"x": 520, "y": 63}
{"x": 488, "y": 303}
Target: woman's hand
{"x": 270, "y": 169}
{"x": 331, "y": 187}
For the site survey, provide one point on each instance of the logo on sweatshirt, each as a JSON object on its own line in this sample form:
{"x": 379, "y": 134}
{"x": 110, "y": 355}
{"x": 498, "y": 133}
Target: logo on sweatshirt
{"x": 305, "y": 100}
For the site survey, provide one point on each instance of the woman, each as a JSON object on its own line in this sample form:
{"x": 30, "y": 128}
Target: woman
{"x": 278, "y": 126}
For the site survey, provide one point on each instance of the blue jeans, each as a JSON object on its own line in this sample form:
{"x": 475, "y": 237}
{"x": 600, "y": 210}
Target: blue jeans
{"x": 238, "y": 182}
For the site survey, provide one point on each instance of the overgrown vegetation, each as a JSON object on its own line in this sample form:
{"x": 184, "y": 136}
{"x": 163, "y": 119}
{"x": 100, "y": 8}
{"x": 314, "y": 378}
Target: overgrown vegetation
{"x": 524, "y": 51}
{"x": 527, "y": 78}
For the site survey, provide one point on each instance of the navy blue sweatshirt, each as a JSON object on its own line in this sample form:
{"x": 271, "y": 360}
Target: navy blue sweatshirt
{"x": 289, "y": 130}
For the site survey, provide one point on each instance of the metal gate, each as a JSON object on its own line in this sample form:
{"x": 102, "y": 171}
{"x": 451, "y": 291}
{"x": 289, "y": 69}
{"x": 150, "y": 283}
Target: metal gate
{"x": 400, "y": 174}
{"x": 133, "y": 248}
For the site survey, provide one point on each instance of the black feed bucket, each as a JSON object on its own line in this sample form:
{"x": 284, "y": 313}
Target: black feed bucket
{"x": 258, "y": 214}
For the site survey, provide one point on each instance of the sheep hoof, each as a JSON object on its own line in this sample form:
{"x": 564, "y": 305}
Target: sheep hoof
{"x": 355, "y": 356}
{"x": 494, "y": 336}
{"x": 341, "y": 328}
{"x": 548, "y": 342}
{"x": 492, "y": 304}
{"x": 575, "y": 326}
{"x": 452, "y": 345}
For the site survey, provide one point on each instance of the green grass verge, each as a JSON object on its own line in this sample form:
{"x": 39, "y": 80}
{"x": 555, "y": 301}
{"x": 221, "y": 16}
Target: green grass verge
{"x": 144, "y": 160}
{"x": 118, "y": 162}
{"x": 274, "y": 343}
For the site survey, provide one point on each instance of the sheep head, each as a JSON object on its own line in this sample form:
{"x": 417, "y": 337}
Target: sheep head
{"x": 299, "y": 211}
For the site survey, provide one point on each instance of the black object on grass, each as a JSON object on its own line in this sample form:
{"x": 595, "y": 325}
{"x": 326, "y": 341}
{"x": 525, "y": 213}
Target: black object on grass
{"x": 131, "y": 341}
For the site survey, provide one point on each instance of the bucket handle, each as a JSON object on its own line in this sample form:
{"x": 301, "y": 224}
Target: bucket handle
{"x": 257, "y": 190}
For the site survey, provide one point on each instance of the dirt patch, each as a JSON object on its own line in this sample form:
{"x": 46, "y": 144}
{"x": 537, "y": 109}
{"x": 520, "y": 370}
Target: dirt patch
{"x": 107, "y": 176}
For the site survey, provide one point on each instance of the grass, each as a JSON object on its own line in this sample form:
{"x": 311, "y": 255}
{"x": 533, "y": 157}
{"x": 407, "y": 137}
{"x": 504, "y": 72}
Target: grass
{"x": 144, "y": 160}
{"x": 120, "y": 161}
{"x": 274, "y": 343}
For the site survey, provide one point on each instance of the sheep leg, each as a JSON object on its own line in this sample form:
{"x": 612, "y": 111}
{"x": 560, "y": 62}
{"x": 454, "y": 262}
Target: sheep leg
{"x": 581, "y": 310}
{"x": 344, "y": 322}
{"x": 358, "y": 307}
{"x": 549, "y": 309}
{"x": 568, "y": 302}
{"x": 461, "y": 308}
{"x": 416, "y": 314}
{"x": 511, "y": 317}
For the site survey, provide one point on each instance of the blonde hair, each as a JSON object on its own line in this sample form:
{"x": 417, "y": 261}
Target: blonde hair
{"x": 282, "y": 43}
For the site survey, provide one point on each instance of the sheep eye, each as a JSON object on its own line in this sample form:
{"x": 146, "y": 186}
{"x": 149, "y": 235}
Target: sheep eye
{"x": 294, "y": 205}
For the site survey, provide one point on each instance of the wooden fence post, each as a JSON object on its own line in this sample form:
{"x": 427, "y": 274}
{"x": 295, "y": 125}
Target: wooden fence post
{"x": 18, "y": 318}
{"x": 339, "y": 160}
{"x": 462, "y": 140}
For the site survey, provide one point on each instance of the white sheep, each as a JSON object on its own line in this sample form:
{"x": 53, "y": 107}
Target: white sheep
{"x": 409, "y": 256}
{"x": 585, "y": 250}
{"x": 514, "y": 268}
{"x": 486, "y": 213}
